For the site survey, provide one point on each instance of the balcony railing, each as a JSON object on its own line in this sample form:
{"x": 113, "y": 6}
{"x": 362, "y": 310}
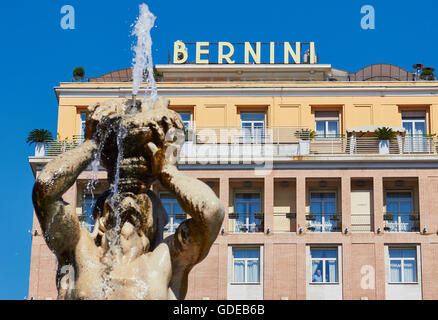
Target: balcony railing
{"x": 401, "y": 222}
{"x": 53, "y": 148}
{"x": 276, "y": 142}
{"x": 247, "y": 222}
{"x": 324, "y": 222}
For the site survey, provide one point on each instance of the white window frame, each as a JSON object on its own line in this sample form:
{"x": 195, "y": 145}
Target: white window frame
{"x": 402, "y": 260}
{"x": 246, "y": 264}
{"x": 414, "y": 142}
{"x": 252, "y": 137}
{"x": 85, "y": 198}
{"x": 414, "y": 121}
{"x": 247, "y": 216}
{"x": 326, "y": 120}
{"x": 82, "y": 124}
{"x": 171, "y": 216}
{"x": 324, "y": 265}
{"x": 399, "y": 217}
{"x": 189, "y": 123}
{"x": 323, "y": 218}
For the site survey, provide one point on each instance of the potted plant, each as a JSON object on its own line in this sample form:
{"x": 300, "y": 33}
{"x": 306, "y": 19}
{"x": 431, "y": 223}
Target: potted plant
{"x": 388, "y": 217}
{"x": 335, "y": 217}
{"x": 310, "y": 217}
{"x": 304, "y": 136}
{"x": 258, "y": 215}
{"x": 427, "y": 74}
{"x": 429, "y": 141}
{"x": 384, "y": 135}
{"x": 79, "y": 73}
{"x": 414, "y": 217}
{"x": 291, "y": 215}
{"x": 39, "y": 136}
{"x": 233, "y": 215}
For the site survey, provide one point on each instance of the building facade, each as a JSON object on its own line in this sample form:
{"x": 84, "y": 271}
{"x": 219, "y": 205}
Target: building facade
{"x": 316, "y": 206}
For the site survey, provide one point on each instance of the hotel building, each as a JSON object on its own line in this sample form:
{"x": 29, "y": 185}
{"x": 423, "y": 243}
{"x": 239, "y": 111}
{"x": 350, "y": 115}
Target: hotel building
{"x": 316, "y": 206}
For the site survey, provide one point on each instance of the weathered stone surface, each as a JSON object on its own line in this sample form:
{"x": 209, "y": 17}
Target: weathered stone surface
{"x": 125, "y": 257}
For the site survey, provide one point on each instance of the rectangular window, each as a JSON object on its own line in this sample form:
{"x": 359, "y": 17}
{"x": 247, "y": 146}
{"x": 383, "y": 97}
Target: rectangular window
{"x": 403, "y": 265}
{"x": 174, "y": 212}
{"x": 253, "y": 127}
{"x": 186, "y": 118}
{"x": 399, "y": 205}
{"x": 248, "y": 209}
{"x": 323, "y": 211}
{"x": 82, "y": 126}
{"x": 327, "y": 124}
{"x": 324, "y": 265}
{"x": 86, "y": 219}
{"x": 415, "y": 124}
{"x": 246, "y": 265}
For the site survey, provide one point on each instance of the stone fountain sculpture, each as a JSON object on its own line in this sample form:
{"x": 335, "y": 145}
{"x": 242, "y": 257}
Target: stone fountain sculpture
{"x": 126, "y": 257}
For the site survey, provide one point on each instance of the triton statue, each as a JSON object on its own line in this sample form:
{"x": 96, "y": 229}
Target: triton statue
{"x": 125, "y": 257}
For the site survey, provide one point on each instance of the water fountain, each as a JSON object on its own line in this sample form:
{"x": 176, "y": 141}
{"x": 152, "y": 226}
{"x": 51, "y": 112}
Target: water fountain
{"x": 125, "y": 256}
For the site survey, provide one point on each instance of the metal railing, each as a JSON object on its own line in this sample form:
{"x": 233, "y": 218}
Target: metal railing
{"x": 324, "y": 222}
{"x": 402, "y": 222}
{"x": 247, "y": 222}
{"x": 281, "y": 142}
{"x": 55, "y": 147}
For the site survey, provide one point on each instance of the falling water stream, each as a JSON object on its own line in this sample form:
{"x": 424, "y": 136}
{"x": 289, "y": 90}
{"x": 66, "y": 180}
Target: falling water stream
{"x": 143, "y": 54}
{"x": 142, "y": 68}
{"x": 142, "y": 65}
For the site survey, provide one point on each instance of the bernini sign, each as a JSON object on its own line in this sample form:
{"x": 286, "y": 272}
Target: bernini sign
{"x": 252, "y": 52}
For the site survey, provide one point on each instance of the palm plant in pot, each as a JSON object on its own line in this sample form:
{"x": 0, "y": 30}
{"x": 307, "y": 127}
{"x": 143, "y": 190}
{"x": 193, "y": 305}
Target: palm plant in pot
{"x": 39, "y": 136}
{"x": 384, "y": 135}
{"x": 304, "y": 136}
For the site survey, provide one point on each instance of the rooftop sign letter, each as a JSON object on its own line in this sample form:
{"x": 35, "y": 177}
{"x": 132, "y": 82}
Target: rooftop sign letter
{"x": 200, "y": 50}
{"x": 221, "y": 56}
{"x": 249, "y": 50}
{"x": 296, "y": 56}
{"x": 180, "y": 53}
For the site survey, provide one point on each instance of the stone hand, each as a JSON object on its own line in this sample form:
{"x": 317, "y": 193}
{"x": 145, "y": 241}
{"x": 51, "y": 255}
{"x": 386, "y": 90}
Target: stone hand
{"x": 165, "y": 154}
{"x": 100, "y": 112}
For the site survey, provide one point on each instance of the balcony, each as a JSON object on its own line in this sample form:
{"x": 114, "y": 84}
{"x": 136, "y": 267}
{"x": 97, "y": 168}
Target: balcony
{"x": 278, "y": 143}
{"x": 281, "y": 143}
{"x": 401, "y": 222}
{"x": 247, "y": 223}
{"x": 324, "y": 222}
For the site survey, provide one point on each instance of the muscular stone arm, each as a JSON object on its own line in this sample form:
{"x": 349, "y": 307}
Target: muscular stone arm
{"x": 58, "y": 220}
{"x": 194, "y": 237}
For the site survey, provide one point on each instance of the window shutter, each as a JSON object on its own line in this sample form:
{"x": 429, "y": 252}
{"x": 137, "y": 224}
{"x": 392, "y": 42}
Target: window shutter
{"x": 414, "y": 114}
{"x": 326, "y": 115}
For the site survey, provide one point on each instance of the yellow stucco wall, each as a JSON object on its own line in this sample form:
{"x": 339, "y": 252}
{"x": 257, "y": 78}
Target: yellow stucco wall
{"x": 286, "y": 111}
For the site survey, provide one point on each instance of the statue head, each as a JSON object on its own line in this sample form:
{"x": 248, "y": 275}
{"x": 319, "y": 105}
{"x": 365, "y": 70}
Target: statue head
{"x": 131, "y": 128}
{"x": 122, "y": 126}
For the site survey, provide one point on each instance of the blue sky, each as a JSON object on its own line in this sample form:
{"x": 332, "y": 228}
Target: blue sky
{"x": 37, "y": 54}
